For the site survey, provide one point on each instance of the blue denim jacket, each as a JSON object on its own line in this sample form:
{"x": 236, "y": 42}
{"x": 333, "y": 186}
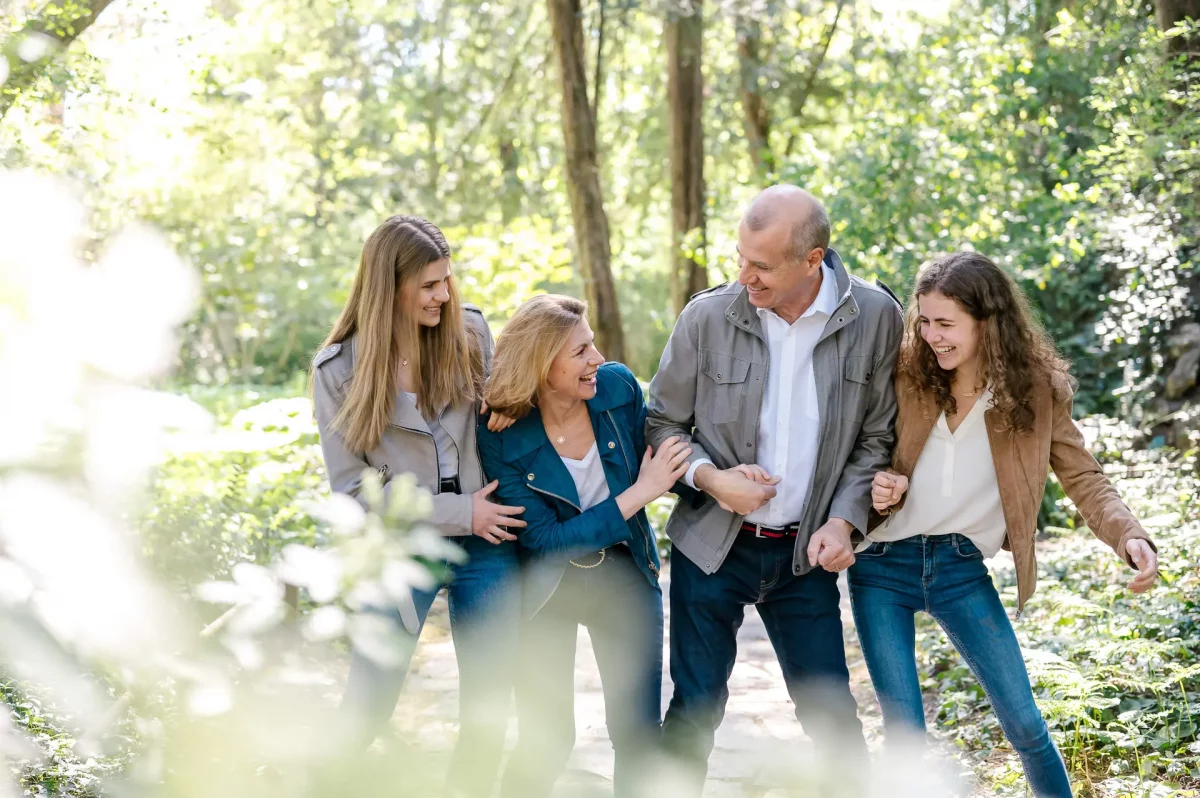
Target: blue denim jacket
{"x": 532, "y": 476}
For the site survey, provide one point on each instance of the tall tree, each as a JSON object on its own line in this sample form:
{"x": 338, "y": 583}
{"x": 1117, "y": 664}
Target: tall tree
{"x": 57, "y": 23}
{"x": 754, "y": 107}
{"x": 685, "y": 103}
{"x": 583, "y": 178}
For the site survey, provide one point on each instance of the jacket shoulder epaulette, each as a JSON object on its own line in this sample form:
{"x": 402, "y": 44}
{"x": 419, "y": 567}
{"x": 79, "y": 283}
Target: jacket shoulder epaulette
{"x": 326, "y": 354}
{"x": 712, "y": 290}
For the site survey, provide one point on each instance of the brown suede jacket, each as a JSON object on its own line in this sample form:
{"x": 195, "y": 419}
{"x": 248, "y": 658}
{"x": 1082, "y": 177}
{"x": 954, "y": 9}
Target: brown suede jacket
{"x": 1021, "y": 462}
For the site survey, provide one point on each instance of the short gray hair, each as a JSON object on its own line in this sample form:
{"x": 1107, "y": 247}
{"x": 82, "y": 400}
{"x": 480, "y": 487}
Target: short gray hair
{"x": 810, "y": 232}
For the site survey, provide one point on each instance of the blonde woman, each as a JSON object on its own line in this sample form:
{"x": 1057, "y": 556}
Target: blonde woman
{"x": 576, "y": 460}
{"x": 396, "y": 390}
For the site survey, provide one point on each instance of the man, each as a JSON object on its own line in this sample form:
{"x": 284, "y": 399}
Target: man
{"x": 783, "y": 384}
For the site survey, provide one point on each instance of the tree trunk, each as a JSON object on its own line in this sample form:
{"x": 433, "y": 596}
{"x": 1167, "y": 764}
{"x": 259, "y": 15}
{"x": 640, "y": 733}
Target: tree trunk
{"x": 685, "y": 102}
{"x": 1170, "y": 13}
{"x": 754, "y": 107}
{"x": 583, "y": 179}
{"x": 61, "y": 21}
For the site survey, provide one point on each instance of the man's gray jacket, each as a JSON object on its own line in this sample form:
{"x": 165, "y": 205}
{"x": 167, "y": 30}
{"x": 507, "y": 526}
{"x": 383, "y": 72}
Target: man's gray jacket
{"x": 709, "y": 390}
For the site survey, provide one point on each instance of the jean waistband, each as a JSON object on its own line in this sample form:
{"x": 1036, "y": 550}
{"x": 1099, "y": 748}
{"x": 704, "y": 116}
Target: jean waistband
{"x": 917, "y": 540}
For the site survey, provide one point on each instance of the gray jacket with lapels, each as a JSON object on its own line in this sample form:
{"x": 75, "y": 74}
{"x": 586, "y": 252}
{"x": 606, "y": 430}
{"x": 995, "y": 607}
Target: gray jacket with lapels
{"x": 407, "y": 445}
{"x": 709, "y": 390}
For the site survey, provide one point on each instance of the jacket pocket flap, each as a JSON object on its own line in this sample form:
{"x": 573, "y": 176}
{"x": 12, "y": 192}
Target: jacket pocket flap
{"x": 722, "y": 368}
{"x": 857, "y": 368}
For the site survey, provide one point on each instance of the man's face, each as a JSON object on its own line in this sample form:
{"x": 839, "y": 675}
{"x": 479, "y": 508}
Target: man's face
{"x": 764, "y": 268}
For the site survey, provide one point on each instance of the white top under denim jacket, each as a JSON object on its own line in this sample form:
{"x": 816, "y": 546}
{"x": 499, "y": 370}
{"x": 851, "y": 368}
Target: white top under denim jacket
{"x": 588, "y": 475}
{"x": 953, "y": 487}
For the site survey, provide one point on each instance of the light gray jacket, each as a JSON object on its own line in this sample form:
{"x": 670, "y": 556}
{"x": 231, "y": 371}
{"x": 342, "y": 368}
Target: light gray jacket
{"x": 407, "y": 445}
{"x": 709, "y": 390}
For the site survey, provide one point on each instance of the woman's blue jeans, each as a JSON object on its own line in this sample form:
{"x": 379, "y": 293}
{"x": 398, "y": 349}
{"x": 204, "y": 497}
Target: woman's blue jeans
{"x": 485, "y": 610}
{"x": 944, "y": 575}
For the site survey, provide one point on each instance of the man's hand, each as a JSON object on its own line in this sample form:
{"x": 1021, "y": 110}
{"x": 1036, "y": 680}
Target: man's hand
{"x": 830, "y": 546}
{"x": 756, "y": 473}
{"x": 1144, "y": 557}
{"x": 736, "y": 490}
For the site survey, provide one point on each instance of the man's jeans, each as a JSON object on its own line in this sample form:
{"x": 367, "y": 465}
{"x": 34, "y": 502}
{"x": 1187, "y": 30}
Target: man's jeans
{"x": 944, "y": 575}
{"x": 803, "y": 619}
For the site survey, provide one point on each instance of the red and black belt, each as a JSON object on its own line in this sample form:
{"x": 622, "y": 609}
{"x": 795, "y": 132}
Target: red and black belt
{"x": 760, "y": 531}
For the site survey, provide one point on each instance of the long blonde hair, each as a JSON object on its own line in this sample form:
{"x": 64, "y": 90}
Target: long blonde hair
{"x": 526, "y": 348}
{"x": 446, "y": 362}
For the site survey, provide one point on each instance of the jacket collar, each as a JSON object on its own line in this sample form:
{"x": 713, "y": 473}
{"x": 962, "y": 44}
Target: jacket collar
{"x": 743, "y": 314}
{"x": 528, "y": 434}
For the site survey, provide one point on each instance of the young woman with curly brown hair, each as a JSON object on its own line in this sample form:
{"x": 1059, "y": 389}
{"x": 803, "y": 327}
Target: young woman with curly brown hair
{"x": 984, "y": 409}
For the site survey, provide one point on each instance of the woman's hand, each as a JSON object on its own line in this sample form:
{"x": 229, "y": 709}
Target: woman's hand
{"x": 497, "y": 422}
{"x": 664, "y": 468}
{"x": 488, "y": 518}
{"x": 886, "y": 490}
{"x": 1146, "y": 560}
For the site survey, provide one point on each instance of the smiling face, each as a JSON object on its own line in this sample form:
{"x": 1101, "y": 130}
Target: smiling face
{"x": 424, "y": 296}
{"x": 773, "y": 279}
{"x": 953, "y": 334}
{"x": 573, "y": 370}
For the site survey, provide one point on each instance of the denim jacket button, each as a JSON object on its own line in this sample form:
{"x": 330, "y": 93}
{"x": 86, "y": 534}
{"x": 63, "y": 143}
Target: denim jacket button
{"x": 529, "y": 477}
{"x": 612, "y": 445}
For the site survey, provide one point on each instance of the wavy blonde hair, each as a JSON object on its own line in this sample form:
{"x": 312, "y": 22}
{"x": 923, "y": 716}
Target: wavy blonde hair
{"x": 446, "y": 360}
{"x": 526, "y": 349}
{"x": 1015, "y": 350}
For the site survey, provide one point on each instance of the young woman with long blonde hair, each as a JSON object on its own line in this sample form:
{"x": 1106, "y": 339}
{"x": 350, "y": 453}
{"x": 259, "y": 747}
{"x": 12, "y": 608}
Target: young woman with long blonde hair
{"x": 396, "y": 389}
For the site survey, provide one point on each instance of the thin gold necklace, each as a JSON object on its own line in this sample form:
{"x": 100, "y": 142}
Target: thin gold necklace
{"x": 561, "y": 439}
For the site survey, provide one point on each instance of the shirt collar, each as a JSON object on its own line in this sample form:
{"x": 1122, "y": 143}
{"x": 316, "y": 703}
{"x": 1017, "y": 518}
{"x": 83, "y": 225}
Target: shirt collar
{"x": 825, "y": 303}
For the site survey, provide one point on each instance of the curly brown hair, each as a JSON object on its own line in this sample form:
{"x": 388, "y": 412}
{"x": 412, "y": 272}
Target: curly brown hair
{"x": 1015, "y": 351}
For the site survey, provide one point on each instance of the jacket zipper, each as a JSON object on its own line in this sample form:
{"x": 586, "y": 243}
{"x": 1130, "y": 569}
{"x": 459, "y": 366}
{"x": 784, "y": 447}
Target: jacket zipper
{"x": 629, "y": 473}
{"x": 435, "y": 448}
{"x": 555, "y": 495}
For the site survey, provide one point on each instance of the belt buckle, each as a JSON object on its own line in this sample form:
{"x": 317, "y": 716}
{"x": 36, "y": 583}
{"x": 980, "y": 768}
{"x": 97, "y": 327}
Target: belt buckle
{"x": 758, "y": 532}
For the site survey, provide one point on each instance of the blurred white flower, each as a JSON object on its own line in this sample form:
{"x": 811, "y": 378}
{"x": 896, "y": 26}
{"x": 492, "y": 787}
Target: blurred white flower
{"x": 126, "y": 434}
{"x": 341, "y": 512}
{"x": 320, "y": 572}
{"x": 206, "y": 700}
{"x": 248, "y": 653}
{"x": 15, "y": 585}
{"x": 325, "y": 623}
{"x": 376, "y": 637}
{"x": 88, "y": 587}
{"x": 136, "y": 295}
{"x": 400, "y": 577}
{"x": 425, "y": 541}
{"x": 34, "y": 46}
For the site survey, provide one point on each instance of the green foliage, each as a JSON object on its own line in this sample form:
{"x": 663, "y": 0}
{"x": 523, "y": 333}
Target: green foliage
{"x": 240, "y": 495}
{"x": 1115, "y": 674}
{"x": 54, "y": 766}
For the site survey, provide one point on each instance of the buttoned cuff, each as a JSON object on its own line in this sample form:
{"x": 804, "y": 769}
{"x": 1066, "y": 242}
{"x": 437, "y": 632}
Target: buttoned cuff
{"x": 691, "y": 472}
